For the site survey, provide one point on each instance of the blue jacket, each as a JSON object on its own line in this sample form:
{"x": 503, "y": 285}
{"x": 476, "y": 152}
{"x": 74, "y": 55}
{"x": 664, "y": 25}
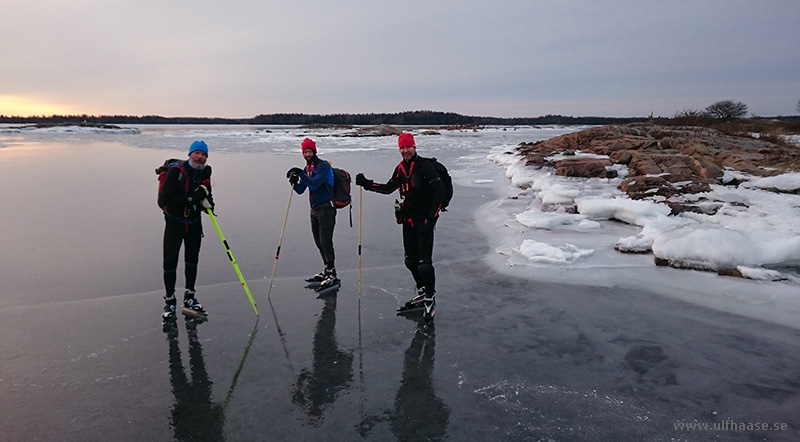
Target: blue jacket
{"x": 318, "y": 178}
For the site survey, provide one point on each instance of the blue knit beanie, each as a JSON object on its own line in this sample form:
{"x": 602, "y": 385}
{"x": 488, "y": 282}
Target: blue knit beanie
{"x": 199, "y": 145}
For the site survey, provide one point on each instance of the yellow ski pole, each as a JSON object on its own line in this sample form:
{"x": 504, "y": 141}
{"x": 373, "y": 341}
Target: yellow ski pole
{"x": 233, "y": 260}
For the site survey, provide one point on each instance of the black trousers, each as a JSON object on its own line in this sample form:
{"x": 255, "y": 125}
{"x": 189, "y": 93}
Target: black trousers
{"x": 418, "y": 248}
{"x": 176, "y": 234}
{"x": 323, "y": 221}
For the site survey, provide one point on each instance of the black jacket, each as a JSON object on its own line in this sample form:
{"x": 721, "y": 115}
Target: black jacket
{"x": 420, "y": 186}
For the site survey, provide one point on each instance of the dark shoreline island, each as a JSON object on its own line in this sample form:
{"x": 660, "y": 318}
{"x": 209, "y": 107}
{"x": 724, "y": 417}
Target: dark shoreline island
{"x": 81, "y": 124}
{"x": 72, "y": 127}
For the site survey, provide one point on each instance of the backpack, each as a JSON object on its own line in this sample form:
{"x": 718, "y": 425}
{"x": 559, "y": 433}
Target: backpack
{"x": 341, "y": 188}
{"x": 161, "y": 171}
{"x": 444, "y": 175}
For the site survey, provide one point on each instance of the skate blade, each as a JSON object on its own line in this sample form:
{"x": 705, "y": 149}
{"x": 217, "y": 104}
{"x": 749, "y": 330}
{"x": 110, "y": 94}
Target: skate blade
{"x": 404, "y": 309}
{"x": 193, "y": 313}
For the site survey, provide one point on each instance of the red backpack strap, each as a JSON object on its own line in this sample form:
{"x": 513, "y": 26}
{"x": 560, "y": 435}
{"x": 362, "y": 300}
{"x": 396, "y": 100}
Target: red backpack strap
{"x": 185, "y": 177}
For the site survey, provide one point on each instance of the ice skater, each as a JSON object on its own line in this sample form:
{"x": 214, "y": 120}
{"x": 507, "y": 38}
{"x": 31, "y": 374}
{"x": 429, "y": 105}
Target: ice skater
{"x": 185, "y": 194}
{"x": 423, "y": 194}
{"x": 317, "y": 177}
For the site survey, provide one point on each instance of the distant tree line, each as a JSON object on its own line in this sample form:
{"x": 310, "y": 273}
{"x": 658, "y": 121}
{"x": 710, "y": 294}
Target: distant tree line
{"x": 421, "y": 118}
{"x": 429, "y": 118}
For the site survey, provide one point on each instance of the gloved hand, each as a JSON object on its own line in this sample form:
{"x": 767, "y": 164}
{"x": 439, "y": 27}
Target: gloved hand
{"x": 206, "y": 204}
{"x": 362, "y": 181}
{"x": 426, "y": 226}
{"x": 294, "y": 175}
{"x": 198, "y": 194}
{"x": 294, "y": 171}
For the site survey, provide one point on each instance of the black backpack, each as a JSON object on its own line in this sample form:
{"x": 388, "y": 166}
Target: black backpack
{"x": 444, "y": 175}
{"x": 161, "y": 172}
{"x": 341, "y": 188}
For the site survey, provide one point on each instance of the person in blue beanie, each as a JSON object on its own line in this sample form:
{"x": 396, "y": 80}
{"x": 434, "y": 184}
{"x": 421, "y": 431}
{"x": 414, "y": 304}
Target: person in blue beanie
{"x": 185, "y": 195}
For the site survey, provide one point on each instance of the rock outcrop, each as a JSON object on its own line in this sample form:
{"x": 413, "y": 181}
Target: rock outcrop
{"x": 661, "y": 160}
{"x": 663, "y": 164}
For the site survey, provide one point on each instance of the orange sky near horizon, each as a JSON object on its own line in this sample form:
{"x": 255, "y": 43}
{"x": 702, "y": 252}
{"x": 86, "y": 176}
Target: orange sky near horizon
{"x": 23, "y": 106}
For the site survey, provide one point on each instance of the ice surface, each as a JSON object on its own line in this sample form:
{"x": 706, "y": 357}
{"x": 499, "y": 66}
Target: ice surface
{"x": 543, "y": 330}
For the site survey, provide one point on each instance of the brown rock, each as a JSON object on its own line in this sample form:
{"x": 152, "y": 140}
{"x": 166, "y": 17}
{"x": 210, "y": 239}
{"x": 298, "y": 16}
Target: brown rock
{"x": 643, "y": 164}
{"x": 662, "y": 161}
{"x": 583, "y": 167}
{"x": 640, "y": 187}
{"x": 622, "y": 156}
{"x": 706, "y": 169}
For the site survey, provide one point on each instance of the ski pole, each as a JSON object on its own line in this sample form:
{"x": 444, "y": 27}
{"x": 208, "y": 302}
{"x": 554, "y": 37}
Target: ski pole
{"x": 360, "y": 210}
{"x": 233, "y": 260}
{"x": 280, "y": 241}
{"x": 360, "y": 348}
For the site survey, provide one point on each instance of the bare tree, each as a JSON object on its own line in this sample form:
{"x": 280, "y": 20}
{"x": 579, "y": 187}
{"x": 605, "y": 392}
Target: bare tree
{"x": 727, "y": 109}
{"x": 798, "y": 105}
{"x": 690, "y": 112}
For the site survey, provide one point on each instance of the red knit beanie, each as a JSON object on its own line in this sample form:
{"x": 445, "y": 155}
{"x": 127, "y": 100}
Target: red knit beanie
{"x": 308, "y": 143}
{"x": 405, "y": 139}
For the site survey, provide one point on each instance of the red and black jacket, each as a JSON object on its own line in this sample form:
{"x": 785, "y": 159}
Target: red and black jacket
{"x": 420, "y": 187}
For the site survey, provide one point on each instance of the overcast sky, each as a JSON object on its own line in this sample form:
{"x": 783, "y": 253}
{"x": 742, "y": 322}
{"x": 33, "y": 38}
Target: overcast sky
{"x": 504, "y": 58}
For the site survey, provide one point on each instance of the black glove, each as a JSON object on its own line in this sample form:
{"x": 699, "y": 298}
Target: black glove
{"x": 198, "y": 194}
{"x": 426, "y": 226}
{"x": 294, "y": 175}
{"x": 362, "y": 181}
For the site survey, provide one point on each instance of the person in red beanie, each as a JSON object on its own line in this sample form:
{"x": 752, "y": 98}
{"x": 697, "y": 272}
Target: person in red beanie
{"x": 317, "y": 177}
{"x": 423, "y": 193}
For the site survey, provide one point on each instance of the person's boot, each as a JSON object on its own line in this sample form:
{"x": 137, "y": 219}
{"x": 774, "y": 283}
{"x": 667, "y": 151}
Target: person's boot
{"x": 191, "y": 303}
{"x": 319, "y": 277}
{"x": 330, "y": 279}
{"x": 415, "y": 302}
{"x": 429, "y": 304}
{"x": 168, "y": 316}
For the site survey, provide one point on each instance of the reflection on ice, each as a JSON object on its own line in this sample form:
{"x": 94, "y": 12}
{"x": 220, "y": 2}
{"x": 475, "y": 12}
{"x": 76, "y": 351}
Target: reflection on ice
{"x": 195, "y": 413}
{"x": 419, "y": 413}
{"x": 331, "y": 372}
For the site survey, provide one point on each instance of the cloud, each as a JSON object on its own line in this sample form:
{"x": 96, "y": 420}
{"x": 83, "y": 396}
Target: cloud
{"x": 506, "y": 58}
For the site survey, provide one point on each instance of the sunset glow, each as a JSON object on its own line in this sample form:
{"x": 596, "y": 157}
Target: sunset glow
{"x": 22, "y": 106}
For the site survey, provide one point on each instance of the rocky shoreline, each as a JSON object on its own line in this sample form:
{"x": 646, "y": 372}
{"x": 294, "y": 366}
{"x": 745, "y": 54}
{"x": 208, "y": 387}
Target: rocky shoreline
{"x": 664, "y": 164}
{"x": 662, "y": 161}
